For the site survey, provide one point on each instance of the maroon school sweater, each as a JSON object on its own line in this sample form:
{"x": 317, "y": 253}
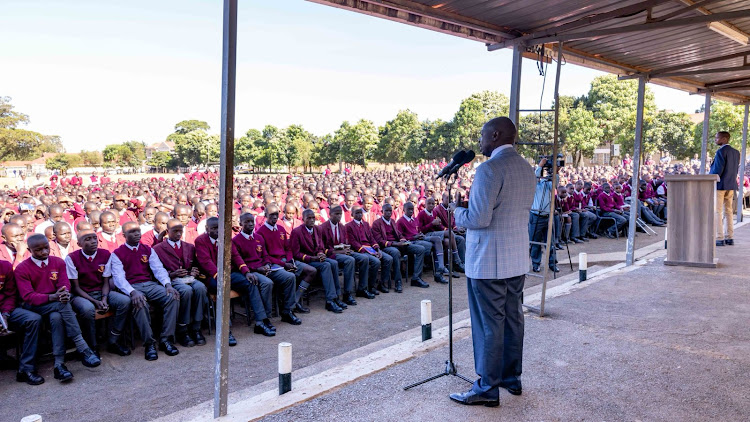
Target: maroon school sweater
{"x": 252, "y": 251}
{"x": 329, "y": 241}
{"x": 135, "y": 263}
{"x": 425, "y": 222}
{"x": 8, "y": 290}
{"x": 408, "y": 229}
{"x": 276, "y": 243}
{"x": 385, "y": 234}
{"x": 110, "y": 246}
{"x": 35, "y": 284}
{"x": 207, "y": 255}
{"x": 360, "y": 235}
{"x": 306, "y": 246}
{"x": 150, "y": 238}
{"x": 90, "y": 274}
{"x": 174, "y": 259}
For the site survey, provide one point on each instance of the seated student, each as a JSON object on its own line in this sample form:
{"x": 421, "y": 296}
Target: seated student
{"x": 368, "y": 212}
{"x": 307, "y": 246}
{"x": 334, "y": 234}
{"x": 291, "y": 220}
{"x": 183, "y": 213}
{"x": 567, "y": 217}
{"x": 134, "y": 267}
{"x": 43, "y": 286}
{"x": 360, "y": 236}
{"x": 275, "y": 240}
{"x": 147, "y": 217}
{"x": 609, "y": 209}
{"x": 89, "y": 273}
{"x": 392, "y": 242}
{"x": 13, "y": 248}
{"x": 243, "y": 281}
{"x": 178, "y": 258}
{"x": 254, "y": 255}
{"x": 94, "y": 217}
{"x": 21, "y": 321}
{"x": 409, "y": 226}
{"x": 158, "y": 232}
{"x": 110, "y": 238}
{"x": 63, "y": 244}
{"x": 441, "y": 211}
{"x": 431, "y": 226}
{"x": 582, "y": 207}
{"x": 121, "y": 211}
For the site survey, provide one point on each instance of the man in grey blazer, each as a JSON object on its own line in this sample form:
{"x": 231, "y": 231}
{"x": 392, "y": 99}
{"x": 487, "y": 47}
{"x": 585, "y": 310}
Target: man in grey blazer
{"x": 497, "y": 259}
{"x": 726, "y": 164}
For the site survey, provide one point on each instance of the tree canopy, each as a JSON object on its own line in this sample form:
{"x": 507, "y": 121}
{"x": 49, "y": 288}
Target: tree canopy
{"x": 22, "y": 144}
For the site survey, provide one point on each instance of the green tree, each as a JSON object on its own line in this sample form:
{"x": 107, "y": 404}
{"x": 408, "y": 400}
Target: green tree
{"x": 536, "y": 128}
{"x": 397, "y": 136}
{"x": 671, "y": 132}
{"x": 187, "y": 126}
{"x": 295, "y": 146}
{"x": 59, "y": 162}
{"x": 325, "y": 151}
{"x": 582, "y": 134}
{"x": 162, "y": 160}
{"x": 357, "y": 142}
{"x": 440, "y": 141}
{"x": 246, "y": 149}
{"x": 723, "y": 117}
{"x": 21, "y": 144}
{"x": 196, "y": 148}
{"x": 128, "y": 154}
{"x": 474, "y": 112}
{"x": 91, "y": 158}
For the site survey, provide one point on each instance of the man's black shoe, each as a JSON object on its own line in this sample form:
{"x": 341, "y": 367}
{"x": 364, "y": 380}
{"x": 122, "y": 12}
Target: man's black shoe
{"x": 185, "y": 340}
{"x": 350, "y": 300}
{"x": 516, "y": 391}
{"x": 439, "y": 279}
{"x": 554, "y": 268}
{"x": 341, "y": 304}
{"x": 199, "y": 339}
{"x": 535, "y": 268}
{"x": 29, "y": 377}
{"x": 333, "y": 307}
{"x": 419, "y": 283}
{"x": 117, "y": 349}
{"x": 299, "y": 307}
{"x": 151, "y": 351}
{"x": 455, "y": 274}
{"x": 168, "y": 348}
{"x": 269, "y": 325}
{"x": 399, "y": 287}
{"x": 459, "y": 267}
{"x": 89, "y": 359}
{"x": 729, "y": 242}
{"x": 365, "y": 293}
{"x": 720, "y": 243}
{"x": 232, "y": 340}
{"x": 584, "y": 238}
{"x": 383, "y": 289}
{"x": 559, "y": 247}
{"x": 577, "y": 240}
{"x": 290, "y": 318}
{"x": 593, "y": 236}
{"x": 471, "y": 398}
{"x": 374, "y": 291}
{"x": 62, "y": 373}
{"x": 263, "y": 328}
{"x": 609, "y": 235}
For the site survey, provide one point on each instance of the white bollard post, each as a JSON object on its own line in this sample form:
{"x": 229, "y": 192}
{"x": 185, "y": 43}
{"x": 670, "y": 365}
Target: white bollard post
{"x": 426, "y": 320}
{"x": 665, "y": 237}
{"x": 32, "y": 418}
{"x": 583, "y": 265}
{"x": 285, "y": 368}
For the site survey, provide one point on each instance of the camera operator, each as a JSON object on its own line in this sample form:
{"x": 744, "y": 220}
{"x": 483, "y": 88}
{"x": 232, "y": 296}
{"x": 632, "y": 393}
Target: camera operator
{"x": 539, "y": 215}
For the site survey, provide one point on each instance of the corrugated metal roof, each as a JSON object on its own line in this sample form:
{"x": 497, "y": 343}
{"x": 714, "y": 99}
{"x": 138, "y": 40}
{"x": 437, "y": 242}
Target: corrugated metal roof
{"x": 501, "y": 22}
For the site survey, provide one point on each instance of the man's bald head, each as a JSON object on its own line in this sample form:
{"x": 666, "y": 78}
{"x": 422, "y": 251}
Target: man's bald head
{"x": 130, "y": 225}
{"x": 497, "y": 132}
{"x": 36, "y": 240}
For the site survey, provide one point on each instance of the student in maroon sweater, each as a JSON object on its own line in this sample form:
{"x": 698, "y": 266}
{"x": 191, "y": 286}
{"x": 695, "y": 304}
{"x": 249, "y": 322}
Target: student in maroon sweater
{"x": 254, "y": 255}
{"x": 109, "y": 239}
{"x": 178, "y": 258}
{"x": 334, "y": 235}
{"x": 243, "y": 281}
{"x": 610, "y": 209}
{"x": 21, "y": 321}
{"x": 183, "y": 213}
{"x": 134, "y": 268}
{"x": 89, "y": 273}
{"x": 432, "y": 226}
{"x": 360, "y": 237}
{"x": 152, "y": 237}
{"x": 43, "y": 285}
{"x": 13, "y": 248}
{"x": 393, "y": 243}
{"x": 275, "y": 239}
{"x": 409, "y": 227}
{"x": 307, "y": 246}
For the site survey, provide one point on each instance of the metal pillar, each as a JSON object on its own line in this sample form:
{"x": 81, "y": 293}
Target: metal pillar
{"x": 515, "y": 84}
{"x": 740, "y": 195}
{"x": 226, "y": 191}
{"x": 555, "y": 149}
{"x": 629, "y": 254}
{"x": 704, "y": 142}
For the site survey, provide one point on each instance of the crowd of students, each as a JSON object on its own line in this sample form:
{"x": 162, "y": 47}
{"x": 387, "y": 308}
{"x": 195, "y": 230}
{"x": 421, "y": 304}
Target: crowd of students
{"x": 74, "y": 247}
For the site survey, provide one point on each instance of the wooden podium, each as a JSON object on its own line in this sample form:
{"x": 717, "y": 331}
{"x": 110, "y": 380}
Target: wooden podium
{"x": 691, "y": 238}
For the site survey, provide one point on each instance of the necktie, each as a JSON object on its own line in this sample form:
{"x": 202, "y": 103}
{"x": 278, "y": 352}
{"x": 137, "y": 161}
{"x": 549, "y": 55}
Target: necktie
{"x": 336, "y": 234}
{"x": 91, "y": 259}
{"x": 44, "y": 265}
{"x": 177, "y": 247}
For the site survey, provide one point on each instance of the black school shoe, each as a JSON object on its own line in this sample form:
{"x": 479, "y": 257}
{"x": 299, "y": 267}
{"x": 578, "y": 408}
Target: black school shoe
{"x": 29, "y": 377}
{"x": 62, "y": 373}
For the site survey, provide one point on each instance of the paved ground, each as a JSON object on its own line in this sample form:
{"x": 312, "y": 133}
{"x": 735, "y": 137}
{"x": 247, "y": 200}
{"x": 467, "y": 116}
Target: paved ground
{"x": 654, "y": 343}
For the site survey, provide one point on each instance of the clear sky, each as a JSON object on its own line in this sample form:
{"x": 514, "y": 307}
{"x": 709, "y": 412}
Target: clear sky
{"x": 102, "y": 72}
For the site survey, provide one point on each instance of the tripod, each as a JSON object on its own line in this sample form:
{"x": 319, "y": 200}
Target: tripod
{"x": 450, "y": 366}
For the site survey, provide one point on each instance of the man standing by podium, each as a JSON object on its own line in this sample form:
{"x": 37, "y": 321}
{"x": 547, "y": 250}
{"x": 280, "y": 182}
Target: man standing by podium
{"x": 726, "y": 164}
{"x": 497, "y": 259}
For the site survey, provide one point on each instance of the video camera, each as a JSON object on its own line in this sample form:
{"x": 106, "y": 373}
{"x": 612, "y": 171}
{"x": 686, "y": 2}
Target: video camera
{"x": 547, "y": 167}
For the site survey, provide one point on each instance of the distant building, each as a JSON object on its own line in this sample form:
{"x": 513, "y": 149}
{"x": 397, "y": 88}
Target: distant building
{"x": 696, "y": 118}
{"x": 28, "y": 167}
{"x": 165, "y": 146}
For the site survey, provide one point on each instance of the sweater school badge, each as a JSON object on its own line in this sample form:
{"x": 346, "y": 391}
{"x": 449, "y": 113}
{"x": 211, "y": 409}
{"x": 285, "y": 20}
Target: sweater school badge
{"x": 144, "y": 259}
{"x": 53, "y": 275}
{"x": 101, "y": 268}
{"x": 259, "y": 248}
{"x": 2, "y": 281}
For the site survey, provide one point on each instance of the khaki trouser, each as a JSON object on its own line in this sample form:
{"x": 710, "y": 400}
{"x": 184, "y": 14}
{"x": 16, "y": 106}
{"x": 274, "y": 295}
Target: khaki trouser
{"x": 724, "y": 209}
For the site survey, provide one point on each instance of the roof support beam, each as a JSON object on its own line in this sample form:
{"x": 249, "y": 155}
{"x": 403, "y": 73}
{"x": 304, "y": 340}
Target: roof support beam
{"x": 691, "y": 64}
{"x": 689, "y": 72}
{"x": 730, "y": 82}
{"x": 727, "y": 89}
{"x": 647, "y": 26}
{"x": 696, "y": 5}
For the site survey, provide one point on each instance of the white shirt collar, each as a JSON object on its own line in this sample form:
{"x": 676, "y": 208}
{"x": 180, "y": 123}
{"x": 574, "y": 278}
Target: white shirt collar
{"x": 359, "y": 222}
{"x": 409, "y": 219}
{"x": 88, "y": 256}
{"x": 173, "y": 243}
{"x": 39, "y": 263}
{"x": 270, "y": 227}
{"x": 213, "y": 241}
{"x": 109, "y": 237}
{"x": 132, "y": 248}
{"x": 427, "y": 212}
{"x": 245, "y": 235}
{"x": 309, "y": 230}
{"x": 498, "y": 149}
{"x": 388, "y": 222}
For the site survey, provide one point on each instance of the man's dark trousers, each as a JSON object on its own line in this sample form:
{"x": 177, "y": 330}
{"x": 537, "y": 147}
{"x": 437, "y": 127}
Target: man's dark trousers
{"x": 497, "y": 335}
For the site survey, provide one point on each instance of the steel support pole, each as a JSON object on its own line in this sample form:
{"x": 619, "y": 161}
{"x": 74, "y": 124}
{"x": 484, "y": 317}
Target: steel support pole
{"x": 743, "y": 159}
{"x": 226, "y": 198}
{"x": 515, "y": 84}
{"x": 555, "y": 149}
{"x": 704, "y": 141}
{"x": 629, "y": 253}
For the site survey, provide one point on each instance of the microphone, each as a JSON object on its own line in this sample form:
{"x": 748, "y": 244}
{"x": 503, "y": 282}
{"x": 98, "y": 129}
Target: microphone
{"x": 468, "y": 157}
{"x": 457, "y": 158}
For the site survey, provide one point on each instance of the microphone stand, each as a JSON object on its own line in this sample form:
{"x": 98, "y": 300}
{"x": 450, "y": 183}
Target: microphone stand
{"x": 450, "y": 366}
